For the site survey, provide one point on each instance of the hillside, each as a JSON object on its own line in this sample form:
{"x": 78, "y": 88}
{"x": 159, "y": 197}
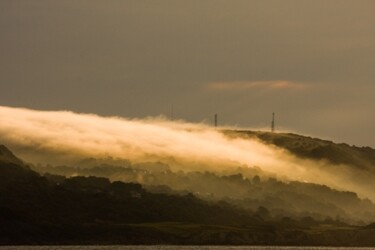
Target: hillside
{"x": 35, "y": 209}
{"x": 239, "y": 186}
{"x": 6, "y": 156}
{"x": 53, "y": 209}
{"x": 314, "y": 148}
{"x": 251, "y": 188}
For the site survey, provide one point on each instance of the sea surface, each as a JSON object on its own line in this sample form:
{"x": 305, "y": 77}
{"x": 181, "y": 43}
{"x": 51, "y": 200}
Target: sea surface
{"x": 176, "y": 247}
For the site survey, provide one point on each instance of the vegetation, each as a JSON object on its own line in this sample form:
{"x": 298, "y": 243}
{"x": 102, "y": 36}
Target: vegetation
{"x": 241, "y": 187}
{"x": 53, "y": 209}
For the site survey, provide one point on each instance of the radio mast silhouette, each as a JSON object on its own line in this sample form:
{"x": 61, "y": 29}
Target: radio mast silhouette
{"x": 215, "y": 120}
{"x": 273, "y": 123}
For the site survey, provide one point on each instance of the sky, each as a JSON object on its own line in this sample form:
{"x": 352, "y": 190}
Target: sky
{"x": 310, "y": 62}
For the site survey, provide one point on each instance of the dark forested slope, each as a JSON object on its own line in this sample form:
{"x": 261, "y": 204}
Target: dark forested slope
{"x": 53, "y": 209}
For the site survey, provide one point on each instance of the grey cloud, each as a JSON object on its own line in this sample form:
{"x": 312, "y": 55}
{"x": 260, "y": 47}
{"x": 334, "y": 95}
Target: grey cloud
{"x": 136, "y": 57}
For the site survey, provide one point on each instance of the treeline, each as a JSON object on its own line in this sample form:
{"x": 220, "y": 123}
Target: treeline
{"x": 35, "y": 209}
{"x": 54, "y": 209}
{"x": 241, "y": 187}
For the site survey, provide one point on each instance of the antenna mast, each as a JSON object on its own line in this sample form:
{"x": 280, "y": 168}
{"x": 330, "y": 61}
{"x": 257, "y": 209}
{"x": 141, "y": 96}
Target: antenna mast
{"x": 273, "y": 123}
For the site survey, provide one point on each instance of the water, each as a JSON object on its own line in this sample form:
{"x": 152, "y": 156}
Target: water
{"x": 175, "y": 247}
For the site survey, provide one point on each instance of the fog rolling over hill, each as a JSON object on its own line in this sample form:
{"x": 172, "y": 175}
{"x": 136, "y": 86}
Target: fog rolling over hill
{"x": 163, "y": 181}
{"x": 64, "y": 137}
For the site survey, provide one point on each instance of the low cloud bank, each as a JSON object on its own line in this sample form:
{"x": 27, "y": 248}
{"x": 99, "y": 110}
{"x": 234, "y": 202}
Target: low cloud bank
{"x": 250, "y": 85}
{"x": 46, "y": 135}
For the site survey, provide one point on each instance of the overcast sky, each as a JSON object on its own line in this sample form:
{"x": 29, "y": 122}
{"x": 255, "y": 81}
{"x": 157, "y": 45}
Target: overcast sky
{"x": 310, "y": 62}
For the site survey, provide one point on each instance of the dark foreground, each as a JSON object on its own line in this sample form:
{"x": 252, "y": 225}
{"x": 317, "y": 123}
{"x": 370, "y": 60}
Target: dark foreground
{"x": 172, "y": 247}
{"x": 40, "y": 210}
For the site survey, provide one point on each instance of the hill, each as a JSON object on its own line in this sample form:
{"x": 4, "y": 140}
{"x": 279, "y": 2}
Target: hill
{"x": 241, "y": 187}
{"x": 6, "y": 156}
{"x": 53, "y": 209}
{"x": 314, "y": 148}
{"x": 249, "y": 188}
{"x": 39, "y": 210}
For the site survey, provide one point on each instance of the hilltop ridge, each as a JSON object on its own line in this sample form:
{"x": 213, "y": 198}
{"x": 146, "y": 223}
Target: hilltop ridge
{"x": 7, "y": 156}
{"x": 314, "y": 148}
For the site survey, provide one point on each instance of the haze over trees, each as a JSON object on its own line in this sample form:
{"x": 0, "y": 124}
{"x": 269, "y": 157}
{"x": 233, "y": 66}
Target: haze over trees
{"x": 108, "y": 200}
